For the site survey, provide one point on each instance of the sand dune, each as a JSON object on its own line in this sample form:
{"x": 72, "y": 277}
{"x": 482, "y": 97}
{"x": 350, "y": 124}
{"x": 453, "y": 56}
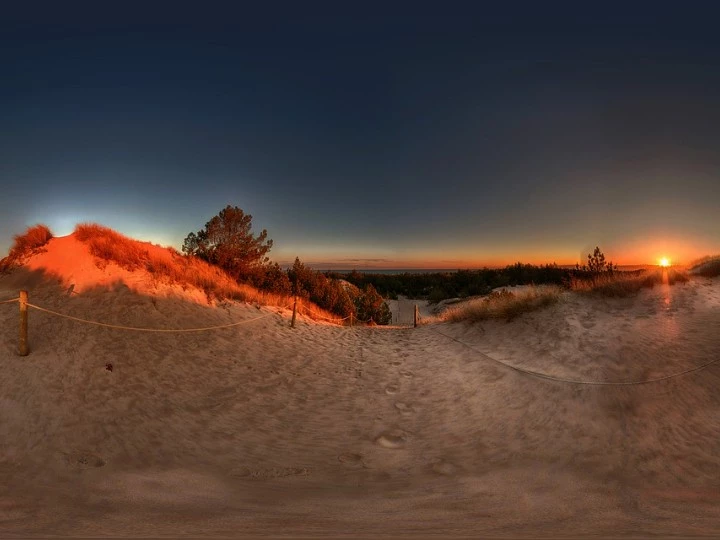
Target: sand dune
{"x": 325, "y": 430}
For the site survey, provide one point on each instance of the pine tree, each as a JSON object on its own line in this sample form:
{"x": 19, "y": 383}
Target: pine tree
{"x": 228, "y": 242}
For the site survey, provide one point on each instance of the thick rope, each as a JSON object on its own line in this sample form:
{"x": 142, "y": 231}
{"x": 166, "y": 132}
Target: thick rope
{"x": 336, "y": 321}
{"x": 138, "y": 329}
{"x": 571, "y": 381}
{"x": 10, "y": 301}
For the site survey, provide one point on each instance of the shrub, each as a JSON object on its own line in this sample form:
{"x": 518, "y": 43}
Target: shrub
{"x": 503, "y": 304}
{"x": 33, "y": 238}
{"x": 273, "y": 279}
{"x": 370, "y": 306}
{"x": 706, "y": 267}
{"x": 26, "y": 244}
{"x": 171, "y": 266}
{"x": 328, "y": 293}
{"x": 621, "y": 284}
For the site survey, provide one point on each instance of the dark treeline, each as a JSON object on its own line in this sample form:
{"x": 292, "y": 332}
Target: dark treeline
{"x": 441, "y": 285}
{"x": 463, "y": 283}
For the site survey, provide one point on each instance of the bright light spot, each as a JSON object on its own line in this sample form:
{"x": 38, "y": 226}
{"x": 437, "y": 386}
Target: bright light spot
{"x": 665, "y": 262}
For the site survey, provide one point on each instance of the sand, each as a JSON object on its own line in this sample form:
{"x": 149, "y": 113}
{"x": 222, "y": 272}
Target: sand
{"x": 403, "y": 310}
{"x": 329, "y": 431}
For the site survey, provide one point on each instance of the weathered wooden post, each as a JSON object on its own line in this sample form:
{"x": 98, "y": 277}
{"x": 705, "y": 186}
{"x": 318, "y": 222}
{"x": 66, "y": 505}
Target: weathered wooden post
{"x": 416, "y": 317}
{"x": 351, "y": 318}
{"x": 292, "y": 323}
{"x": 23, "y": 345}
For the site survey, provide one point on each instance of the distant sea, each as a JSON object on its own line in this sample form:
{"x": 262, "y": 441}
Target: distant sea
{"x": 393, "y": 271}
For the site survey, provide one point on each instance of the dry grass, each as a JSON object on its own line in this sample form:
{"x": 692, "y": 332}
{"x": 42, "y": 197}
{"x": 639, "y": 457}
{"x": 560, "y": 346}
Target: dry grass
{"x": 503, "y": 305}
{"x": 26, "y": 244}
{"x": 167, "y": 265}
{"x": 707, "y": 266}
{"x": 619, "y": 284}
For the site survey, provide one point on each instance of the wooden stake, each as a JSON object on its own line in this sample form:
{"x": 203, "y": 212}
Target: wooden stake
{"x": 351, "y": 318}
{"x": 23, "y": 344}
{"x": 416, "y": 316}
{"x": 292, "y": 323}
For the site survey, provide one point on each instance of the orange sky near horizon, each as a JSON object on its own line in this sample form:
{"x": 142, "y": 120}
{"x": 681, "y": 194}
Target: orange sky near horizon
{"x": 638, "y": 251}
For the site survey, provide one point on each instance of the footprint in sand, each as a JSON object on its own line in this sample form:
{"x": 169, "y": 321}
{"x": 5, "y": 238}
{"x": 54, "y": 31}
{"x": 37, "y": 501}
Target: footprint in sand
{"x": 444, "y": 468}
{"x": 390, "y": 439}
{"x": 269, "y": 473}
{"x": 392, "y": 389}
{"x": 351, "y": 460}
{"x": 404, "y": 408}
{"x": 84, "y": 460}
{"x": 396, "y": 363}
{"x": 407, "y": 374}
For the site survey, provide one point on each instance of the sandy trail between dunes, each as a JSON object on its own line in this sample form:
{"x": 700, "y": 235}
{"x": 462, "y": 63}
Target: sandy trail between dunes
{"x": 326, "y": 430}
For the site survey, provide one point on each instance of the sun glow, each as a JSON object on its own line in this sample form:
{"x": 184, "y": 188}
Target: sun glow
{"x": 664, "y": 262}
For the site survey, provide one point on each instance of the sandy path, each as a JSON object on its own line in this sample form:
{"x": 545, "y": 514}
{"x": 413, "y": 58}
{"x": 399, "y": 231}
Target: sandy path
{"x": 324, "y": 430}
{"x": 403, "y": 310}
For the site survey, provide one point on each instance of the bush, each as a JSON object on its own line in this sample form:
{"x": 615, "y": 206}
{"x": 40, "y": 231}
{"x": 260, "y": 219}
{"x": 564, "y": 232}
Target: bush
{"x": 503, "y": 304}
{"x": 326, "y": 292}
{"x": 32, "y": 239}
{"x": 26, "y": 244}
{"x": 621, "y": 284}
{"x": 273, "y": 279}
{"x": 171, "y": 266}
{"x": 370, "y": 307}
{"x": 706, "y": 267}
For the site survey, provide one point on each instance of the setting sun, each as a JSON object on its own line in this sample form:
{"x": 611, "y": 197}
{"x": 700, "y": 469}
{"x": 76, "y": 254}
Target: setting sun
{"x": 664, "y": 261}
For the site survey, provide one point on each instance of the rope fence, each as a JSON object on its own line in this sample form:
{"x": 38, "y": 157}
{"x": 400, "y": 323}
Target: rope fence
{"x": 25, "y": 304}
{"x": 140, "y": 329}
{"x": 23, "y": 347}
{"x": 574, "y": 381}
{"x": 336, "y": 321}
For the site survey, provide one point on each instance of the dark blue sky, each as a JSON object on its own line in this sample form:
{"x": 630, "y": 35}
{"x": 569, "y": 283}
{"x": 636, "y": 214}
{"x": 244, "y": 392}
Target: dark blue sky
{"x": 449, "y": 135}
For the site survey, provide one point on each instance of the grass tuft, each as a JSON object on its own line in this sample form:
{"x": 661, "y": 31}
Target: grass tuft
{"x": 168, "y": 265}
{"x": 503, "y": 304}
{"x": 26, "y": 244}
{"x": 620, "y": 284}
{"x": 706, "y": 267}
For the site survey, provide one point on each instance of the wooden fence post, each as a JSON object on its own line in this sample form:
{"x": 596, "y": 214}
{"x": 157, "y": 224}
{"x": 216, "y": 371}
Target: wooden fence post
{"x": 416, "y": 317}
{"x": 23, "y": 345}
{"x": 292, "y": 323}
{"x": 351, "y": 318}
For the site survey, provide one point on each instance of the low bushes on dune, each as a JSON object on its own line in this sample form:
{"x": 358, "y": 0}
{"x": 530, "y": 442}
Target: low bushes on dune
{"x": 503, "y": 304}
{"x": 170, "y": 266}
{"x": 706, "y": 267}
{"x": 110, "y": 246}
{"x": 621, "y": 284}
{"x": 26, "y": 244}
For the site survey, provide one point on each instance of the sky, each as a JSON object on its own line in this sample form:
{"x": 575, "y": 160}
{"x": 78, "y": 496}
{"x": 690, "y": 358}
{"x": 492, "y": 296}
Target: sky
{"x": 369, "y": 135}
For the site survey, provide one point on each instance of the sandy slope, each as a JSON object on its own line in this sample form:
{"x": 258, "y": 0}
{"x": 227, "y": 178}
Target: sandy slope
{"x": 324, "y": 430}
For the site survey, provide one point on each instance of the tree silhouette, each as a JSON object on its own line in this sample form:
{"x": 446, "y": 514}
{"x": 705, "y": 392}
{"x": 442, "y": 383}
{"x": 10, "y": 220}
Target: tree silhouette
{"x": 228, "y": 242}
{"x": 596, "y": 262}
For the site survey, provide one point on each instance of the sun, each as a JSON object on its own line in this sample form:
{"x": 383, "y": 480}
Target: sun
{"x": 664, "y": 262}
